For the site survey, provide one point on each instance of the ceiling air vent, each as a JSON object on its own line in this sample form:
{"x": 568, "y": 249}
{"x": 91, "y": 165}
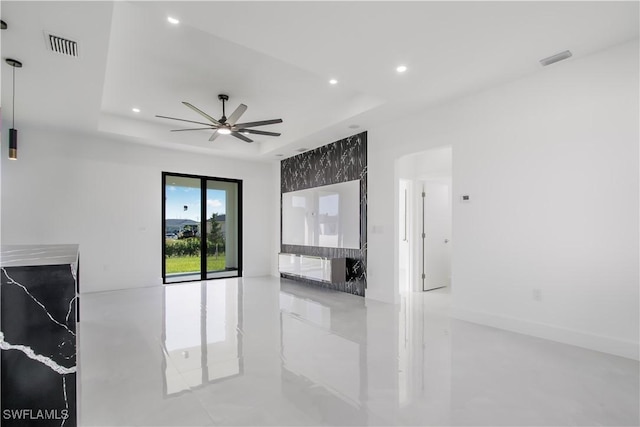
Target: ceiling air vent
{"x": 61, "y": 45}
{"x": 556, "y": 58}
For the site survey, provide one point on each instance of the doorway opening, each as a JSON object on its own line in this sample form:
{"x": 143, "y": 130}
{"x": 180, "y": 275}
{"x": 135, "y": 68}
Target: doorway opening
{"x": 201, "y": 228}
{"x": 424, "y": 182}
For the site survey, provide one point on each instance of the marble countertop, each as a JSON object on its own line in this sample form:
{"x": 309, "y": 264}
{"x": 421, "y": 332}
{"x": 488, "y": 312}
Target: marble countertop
{"x": 35, "y": 255}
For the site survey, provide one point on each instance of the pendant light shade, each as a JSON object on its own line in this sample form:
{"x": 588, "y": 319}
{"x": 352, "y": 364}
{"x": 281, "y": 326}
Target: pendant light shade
{"x": 13, "y": 144}
{"x": 13, "y": 132}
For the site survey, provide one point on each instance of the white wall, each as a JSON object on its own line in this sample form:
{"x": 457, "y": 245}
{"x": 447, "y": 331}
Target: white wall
{"x": 551, "y": 164}
{"x": 106, "y": 195}
{"x": 275, "y": 211}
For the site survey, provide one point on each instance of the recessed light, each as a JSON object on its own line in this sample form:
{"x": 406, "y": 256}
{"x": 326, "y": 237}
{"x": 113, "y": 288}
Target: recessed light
{"x": 401, "y": 68}
{"x": 135, "y": 110}
{"x": 333, "y": 82}
{"x": 173, "y": 20}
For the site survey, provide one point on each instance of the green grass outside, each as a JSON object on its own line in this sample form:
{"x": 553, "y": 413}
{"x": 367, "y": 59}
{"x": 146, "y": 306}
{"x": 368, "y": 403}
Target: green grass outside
{"x": 190, "y": 264}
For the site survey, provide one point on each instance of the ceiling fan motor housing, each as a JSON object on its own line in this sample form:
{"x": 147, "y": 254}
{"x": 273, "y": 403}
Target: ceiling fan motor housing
{"x": 222, "y": 97}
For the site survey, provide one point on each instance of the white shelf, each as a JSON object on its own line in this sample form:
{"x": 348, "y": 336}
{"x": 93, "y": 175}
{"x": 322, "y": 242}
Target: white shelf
{"x": 330, "y": 270}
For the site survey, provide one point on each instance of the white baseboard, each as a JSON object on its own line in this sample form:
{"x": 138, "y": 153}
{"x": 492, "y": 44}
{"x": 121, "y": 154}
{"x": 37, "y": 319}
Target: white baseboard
{"x": 384, "y": 297}
{"x": 604, "y": 344}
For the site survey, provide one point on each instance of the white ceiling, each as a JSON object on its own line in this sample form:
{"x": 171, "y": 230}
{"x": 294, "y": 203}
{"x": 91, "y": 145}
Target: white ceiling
{"x": 277, "y": 58}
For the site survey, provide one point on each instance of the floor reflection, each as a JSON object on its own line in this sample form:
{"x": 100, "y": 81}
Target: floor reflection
{"x": 201, "y": 335}
{"x": 324, "y": 369}
{"x": 267, "y": 351}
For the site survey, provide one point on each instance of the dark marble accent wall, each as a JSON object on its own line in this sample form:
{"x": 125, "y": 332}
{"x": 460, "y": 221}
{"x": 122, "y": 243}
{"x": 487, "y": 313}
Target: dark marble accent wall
{"x": 38, "y": 343}
{"x": 341, "y": 161}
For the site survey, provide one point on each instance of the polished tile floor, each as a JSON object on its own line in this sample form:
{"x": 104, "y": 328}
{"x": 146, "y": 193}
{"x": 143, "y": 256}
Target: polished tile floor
{"x": 265, "y": 351}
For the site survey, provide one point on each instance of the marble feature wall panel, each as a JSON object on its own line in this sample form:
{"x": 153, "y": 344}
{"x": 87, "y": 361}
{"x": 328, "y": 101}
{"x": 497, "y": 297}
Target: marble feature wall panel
{"x": 38, "y": 343}
{"x": 341, "y": 161}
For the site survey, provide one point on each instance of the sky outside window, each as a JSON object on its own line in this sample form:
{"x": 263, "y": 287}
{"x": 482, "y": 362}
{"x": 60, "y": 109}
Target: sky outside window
{"x": 179, "y": 197}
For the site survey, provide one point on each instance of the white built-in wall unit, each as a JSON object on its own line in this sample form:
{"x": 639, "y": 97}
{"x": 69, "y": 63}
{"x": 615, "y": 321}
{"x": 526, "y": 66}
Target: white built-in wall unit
{"x": 326, "y": 216}
{"x": 329, "y": 270}
{"x": 548, "y": 243}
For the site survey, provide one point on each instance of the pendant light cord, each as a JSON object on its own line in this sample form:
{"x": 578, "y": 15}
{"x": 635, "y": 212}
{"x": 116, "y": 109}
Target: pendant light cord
{"x": 13, "y": 113}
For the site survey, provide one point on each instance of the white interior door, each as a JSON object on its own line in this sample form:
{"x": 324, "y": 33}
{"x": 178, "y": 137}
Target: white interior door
{"x": 434, "y": 232}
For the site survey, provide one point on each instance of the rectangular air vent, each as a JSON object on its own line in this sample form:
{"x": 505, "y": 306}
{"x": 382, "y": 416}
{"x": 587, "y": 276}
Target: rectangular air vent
{"x": 556, "y": 58}
{"x": 61, "y": 45}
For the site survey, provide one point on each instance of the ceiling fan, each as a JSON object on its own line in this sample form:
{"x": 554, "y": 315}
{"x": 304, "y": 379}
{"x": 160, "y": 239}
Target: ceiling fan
{"x": 227, "y": 125}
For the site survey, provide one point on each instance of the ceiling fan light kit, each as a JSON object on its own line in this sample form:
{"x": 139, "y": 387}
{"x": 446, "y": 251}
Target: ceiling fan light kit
{"x": 224, "y": 125}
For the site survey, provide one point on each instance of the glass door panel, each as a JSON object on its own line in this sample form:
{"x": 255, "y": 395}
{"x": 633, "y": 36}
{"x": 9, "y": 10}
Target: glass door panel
{"x": 222, "y": 228}
{"x": 182, "y": 228}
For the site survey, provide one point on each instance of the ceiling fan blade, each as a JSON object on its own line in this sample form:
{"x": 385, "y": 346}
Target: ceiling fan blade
{"x": 233, "y": 118}
{"x": 202, "y": 113}
{"x": 261, "y": 123}
{"x": 260, "y": 132}
{"x": 183, "y": 120}
{"x": 242, "y": 137}
{"x": 182, "y": 130}
{"x": 215, "y": 135}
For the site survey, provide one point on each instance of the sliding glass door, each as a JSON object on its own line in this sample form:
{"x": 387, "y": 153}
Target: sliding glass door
{"x": 222, "y": 244}
{"x": 202, "y": 232}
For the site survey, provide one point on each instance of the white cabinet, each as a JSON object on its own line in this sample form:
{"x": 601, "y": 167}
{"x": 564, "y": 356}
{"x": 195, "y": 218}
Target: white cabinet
{"x": 331, "y": 270}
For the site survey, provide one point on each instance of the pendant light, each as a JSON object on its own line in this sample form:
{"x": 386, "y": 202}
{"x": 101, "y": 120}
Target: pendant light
{"x": 13, "y": 132}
